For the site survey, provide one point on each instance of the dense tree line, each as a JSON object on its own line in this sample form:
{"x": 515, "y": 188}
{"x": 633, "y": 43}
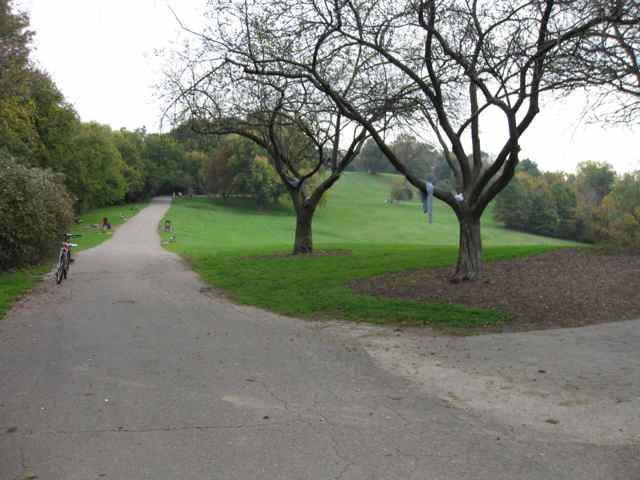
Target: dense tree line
{"x": 53, "y": 166}
{"x": 423, "y": 159}
{"x": 594, "y": 205}
{"x": 239, "y": 167}
{"x": 50, "y": 157}
{"x": 100, "y": 167}
{"x": 617, "y": 218}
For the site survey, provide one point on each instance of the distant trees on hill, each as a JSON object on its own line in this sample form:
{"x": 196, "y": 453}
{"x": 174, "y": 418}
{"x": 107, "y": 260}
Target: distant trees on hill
{"x": 617, "y": 219}
{"x": 240, "y": 167}
{"x": 422, "y": 159}
{"x": 594, "y": 205}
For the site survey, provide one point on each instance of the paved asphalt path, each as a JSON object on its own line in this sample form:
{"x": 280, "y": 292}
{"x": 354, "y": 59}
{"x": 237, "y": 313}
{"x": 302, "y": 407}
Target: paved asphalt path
{"x": 133, "y": 370}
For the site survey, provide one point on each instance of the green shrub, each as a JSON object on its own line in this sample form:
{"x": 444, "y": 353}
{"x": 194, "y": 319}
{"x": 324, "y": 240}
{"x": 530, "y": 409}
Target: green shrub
{"x": 35, "y": 209}
{"x": 261, "y": 182}
{"x": 617, "y": 219}
{"x": 540, "y": 203}
{"x": 401, "y": 190}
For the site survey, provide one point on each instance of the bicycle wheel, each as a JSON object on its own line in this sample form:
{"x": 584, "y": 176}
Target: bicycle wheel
{"x": 67, "y": 263}
{"x": 60, "y": 271}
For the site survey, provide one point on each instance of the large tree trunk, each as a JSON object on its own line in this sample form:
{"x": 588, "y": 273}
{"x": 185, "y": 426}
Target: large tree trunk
{"x": 305, "y": 208}
{"x": 470, "y": 251}
{"x": 304, "y": 239}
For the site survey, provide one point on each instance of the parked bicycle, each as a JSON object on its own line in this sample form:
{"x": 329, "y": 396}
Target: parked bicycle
{"x": 64, "y": 259}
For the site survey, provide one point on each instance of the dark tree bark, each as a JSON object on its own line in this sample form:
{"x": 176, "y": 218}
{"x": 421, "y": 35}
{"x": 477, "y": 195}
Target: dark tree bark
{"x": 305, "y": 208}
{"x": 470, "y": 250}
{"x": 304, "y": 234}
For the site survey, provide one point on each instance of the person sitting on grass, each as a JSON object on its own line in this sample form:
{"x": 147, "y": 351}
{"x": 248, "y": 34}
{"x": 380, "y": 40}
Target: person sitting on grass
{"x": 105, "y": 224}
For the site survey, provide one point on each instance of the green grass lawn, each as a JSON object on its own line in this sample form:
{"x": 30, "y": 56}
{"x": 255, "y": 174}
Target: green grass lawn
{"x": 223, "y": 239}
{"x": 15, "y": 284}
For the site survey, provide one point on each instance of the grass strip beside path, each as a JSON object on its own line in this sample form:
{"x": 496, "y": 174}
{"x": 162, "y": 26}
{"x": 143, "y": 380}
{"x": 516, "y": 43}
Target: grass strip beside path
{"x": 92, "y": 236}
{"x": 15, "y": 284}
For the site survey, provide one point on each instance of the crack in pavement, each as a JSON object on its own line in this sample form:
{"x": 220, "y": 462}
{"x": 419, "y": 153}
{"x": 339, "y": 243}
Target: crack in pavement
{"x": 344, "y": 471}
{"x": 161, "y": 429}
{"x": 267, "y": 389}
{"x": 333, "y": 441}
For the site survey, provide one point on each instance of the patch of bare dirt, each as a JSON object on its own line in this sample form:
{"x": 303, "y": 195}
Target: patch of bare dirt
{"x": 566, "y": 288}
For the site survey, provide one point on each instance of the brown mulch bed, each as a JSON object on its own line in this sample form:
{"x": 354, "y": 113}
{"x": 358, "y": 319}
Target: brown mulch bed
{"x": 566, "y": 288}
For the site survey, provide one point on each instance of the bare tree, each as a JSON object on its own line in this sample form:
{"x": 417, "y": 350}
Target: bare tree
{"x": 309, "y": 136}
{"x": 455, "y": 60}
{"x": 606, "y": 62}
{"x": 308, "y": 140}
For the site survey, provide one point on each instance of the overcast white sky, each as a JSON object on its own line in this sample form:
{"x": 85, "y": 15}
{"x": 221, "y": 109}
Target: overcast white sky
{"x": 101, "y": 55}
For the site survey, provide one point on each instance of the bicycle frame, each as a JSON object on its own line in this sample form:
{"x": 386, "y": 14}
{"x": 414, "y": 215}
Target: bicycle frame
{"x": 64, "y": 258}
{"x": 66, "y": 246}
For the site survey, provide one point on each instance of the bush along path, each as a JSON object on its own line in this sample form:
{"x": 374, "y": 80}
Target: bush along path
{"x": 14, "y": 284}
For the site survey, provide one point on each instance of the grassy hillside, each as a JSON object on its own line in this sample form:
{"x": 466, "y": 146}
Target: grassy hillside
{"x": 355, "y": 213}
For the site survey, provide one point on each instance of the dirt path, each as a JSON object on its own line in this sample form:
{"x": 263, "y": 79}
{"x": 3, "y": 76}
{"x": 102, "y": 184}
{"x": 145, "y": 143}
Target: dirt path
{"x": 575, "y": 384}
{"x": 129, "y": 371}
